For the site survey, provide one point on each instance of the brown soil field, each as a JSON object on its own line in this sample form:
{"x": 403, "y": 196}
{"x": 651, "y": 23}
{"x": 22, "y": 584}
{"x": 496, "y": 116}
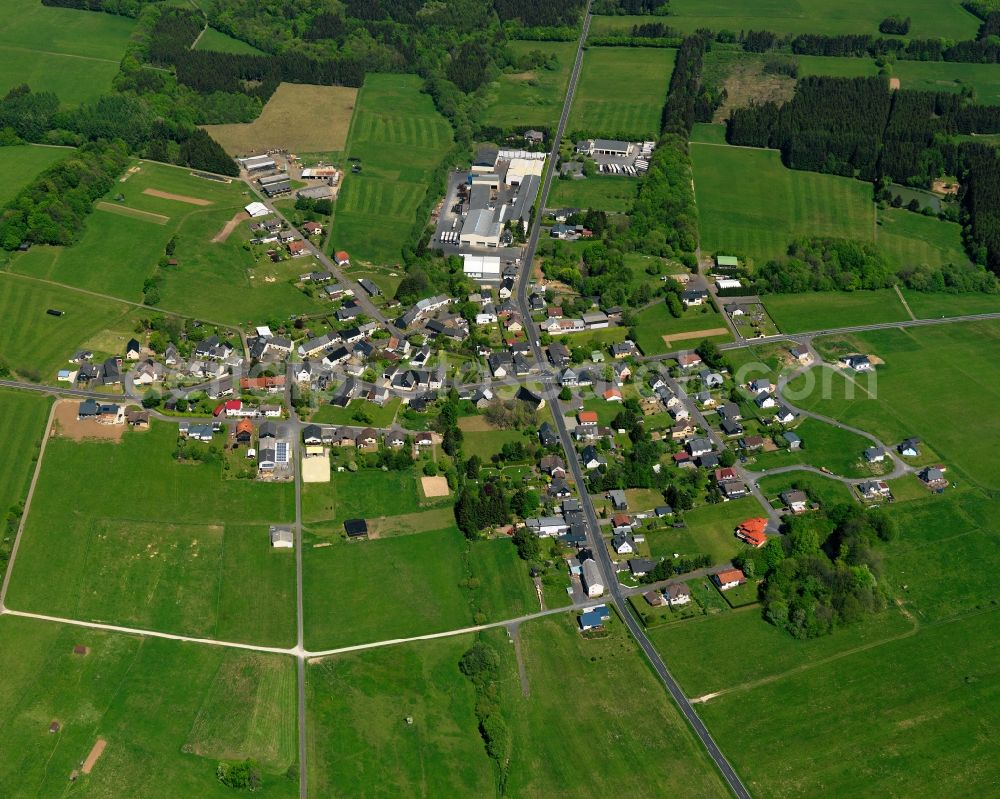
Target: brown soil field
{"x": 181, "y": 198}
{"x": 95, "y": 753}
{"x": 299, "y": 118}
{"x": 713, "y": 331}
{"x": 68, "y": 426}
{"x": 435, "y": 486}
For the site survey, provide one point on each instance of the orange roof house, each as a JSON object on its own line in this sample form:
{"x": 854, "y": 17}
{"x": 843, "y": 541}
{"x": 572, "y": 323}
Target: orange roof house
{"x": 729, "y": 578}
{"x": 587, "y": 417}
{"x": 753, "y": 532}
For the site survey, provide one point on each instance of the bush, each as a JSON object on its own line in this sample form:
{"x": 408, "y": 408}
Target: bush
{"x": 244, "y": 775}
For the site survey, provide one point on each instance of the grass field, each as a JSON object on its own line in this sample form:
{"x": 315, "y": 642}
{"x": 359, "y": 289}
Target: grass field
{"x": 483, "y": 440}
{"x": 655, "y": 322}
{"x": 910, "y": 239}
{"x": 795, "y": 313}
{"x": 400, "y": 139}
{"x": 155, "y": 544}
{"x": 621, "y": 92}
{"x": 823, "y": 446}
{"x": 169, "y": 712}
{"x": 367, "y": 493}
{"x": 220, "y": 42}
{"x": 590, "y": 703}
{"x": 381, "y": 415}
{"x": 402, "y": 586}
{"x": 116, "y": 253}
{"x": 954, "y": 362}
{"x": 708, "y": 530}
{"x": 750, "y": 205}
{"x": 72, "y": 53}
{"x": 605, "y": 193}
{"x": 930, "y": 18}
{"x": 932, "y": 305}
{"x": 534, "y": 97}
{"x": 21, "y": 163}
{"x": 22, "y": 423}
{"x": 358, "y": 704}
{"x": 707, "y": 133}
{"x": 830, "y": 491}
{"x": 297, "y": 117}
{"x": 35, "y": 345}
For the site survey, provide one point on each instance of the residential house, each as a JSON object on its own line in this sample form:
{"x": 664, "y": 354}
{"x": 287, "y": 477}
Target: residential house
{"x": 624, "y": 349}
{"x": 133, "y": 350}
{"x": 753, "y": 532}
{"x": 698, "y": 447}
{"x": 356, "y": 528}
{"x": 546, "y": 526}
{"x": 792, "y": 440}
{"x": 784, "y": 415}
{"x": 623, "y": 544}
{"x": 874, "y": 455}
{"x": 689, "y": 360}
{"x": 910, "y": 448}
{"x": 553, "y": 465}
{"x": 547, "y": 435}
{"x": 731, "y": 428}
{"x": 765, "y": 400}
{"x": 618, "y": 499}
{"x": 752, "y": 443}
{"x": 282, "y": 537}
{"x": 654, "y": 598}
{"x": 590, "y": 576}
{"x": 593, "y": 618}
{"x": 730, "y": 411}
{"x": 677, "y": 594}
{"x": 874, "y": 489}
{"x": 137, "y": 419}
{"x": 640, "y": 567}
{"x": 733, "y": 489}
{"x": 592, "y": 459}
{"x": 729, "y": 578}
{"x": 795, "y": 501}
{"x": 692, "y": 297}
{"x": 933, "y": 477}
{"x": 859, "y": 363}
{"x": 559, "y": 355}
{"x": 244, "y": 431}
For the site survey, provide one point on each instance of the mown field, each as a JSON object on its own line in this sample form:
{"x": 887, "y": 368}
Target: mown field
{"x": 821, "y": 310}
{"x": 220, "y": 42}
{"x": 621, "y": 92}
{"x": 823, "y": 446}
{"x": 910, "y": 239}
{"x": 155, "y": 544}
{"x": 297, "y": 117}
{"x": 366, "y": 494}
{"x": 117, "y": 252}
{"x": 930, "y": 18}
{"x": 168, "y": 711}
{"x": 72, "y": 53}
{"x": 932, "y": 305}
{"x": 400, "y": 139}
{"x": 750, "y": 205}
{"x": 534, "y": 97}
{"x": 407, "y": 585}
{"x": 604, "y": 193}
{"x": 707, "y": 530}
{"x": 36, "y": 345}
{"x": 22, "y": 162}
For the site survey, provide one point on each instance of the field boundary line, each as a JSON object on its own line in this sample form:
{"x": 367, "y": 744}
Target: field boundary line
{"x": 27, "y": 507}
{"x": 906, "y": 305}
{"x": 134, "y": 213}
{"x": 64, "y": 55}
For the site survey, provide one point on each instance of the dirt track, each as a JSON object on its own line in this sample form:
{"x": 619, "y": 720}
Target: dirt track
{"x": 230, "y": 226}
{"x": 181, "y": 198}
{"x": 92, "y": 758}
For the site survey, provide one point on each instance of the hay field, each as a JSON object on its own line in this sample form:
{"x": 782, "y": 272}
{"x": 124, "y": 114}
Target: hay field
{"x": 299, "y": 118}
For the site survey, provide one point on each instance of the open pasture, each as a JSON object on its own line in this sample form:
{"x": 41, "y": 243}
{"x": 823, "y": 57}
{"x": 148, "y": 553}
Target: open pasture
{"x": 534, "y": 97}
{"x": 400, "y": 139}
{"x": 749, "y": 204}
{"x": 21, "y": 163}
{"x": 35, "y": 345}
{"x": 609, "y": 193}
{"x": 180, "y": 563}
{"x": 707, "y": 530}
{"x": 909, "y": 239}
{"x": 621, "y": 92}
{"x": 658, "y": 331}
{"x": 169, "y": 712}
{"x": 366, "y": 494}
{"x": 220, "y": 42}
{"x": 823, "y": 446}
{"x": 298, "y": 117}
{"x": 67, "y": 51}
{"x": 22, "y": 424}
{"x": 930, "y": 18}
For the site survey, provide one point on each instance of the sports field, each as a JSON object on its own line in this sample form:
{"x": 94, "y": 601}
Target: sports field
{"x": 930, "y": 18}
{"x": 72, "y": 53}
{"x": 621, "y": 92}
{"x": 534, "y": 97}
{"x": 155, "y": 544}
{"x": 601, "y": 192}
{"x": 22, "y": 162}
{"x": 749, "y": 204}
{"x": 298, "y": 117}
{"x": 35, "y": 345}
{"x": 910, "y": 239}
{"x": 821, "y": 310}
{"x": 220, "y": 42}
{"x": 117, "y": 252}
{"x": 400, "y": 139}
{"x": 168, "y": 711}
{"x": 400, "y": 586}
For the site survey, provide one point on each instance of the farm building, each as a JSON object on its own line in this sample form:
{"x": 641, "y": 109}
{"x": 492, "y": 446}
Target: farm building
{"x": 256, "y": 209}
{"x": 257, "y": 163}
{"x": 315, "y": 193}
{"x": 356, "y": 528}
{"x": 282, "y": 537}
{"x": 593, "y": 618}
{"x": 482, "y": 267}
{"x": 480, "y": 229}
{"x": 621, "y": 149}
{"x": 591, "y": 577}
{"x": 726, "y": 263}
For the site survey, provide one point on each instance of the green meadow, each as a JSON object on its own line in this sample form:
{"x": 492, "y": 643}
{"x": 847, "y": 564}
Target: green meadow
{"x": 823, "y": 446}
{"x": 22, "y": 424}
{"x": 656, "y": 322}
{"x": 822, "y": 310}
{"x": 21, "y": 163}
{"x": 534, "y": 97}
{"x": 611, "y": 193}
{"x": 909, "y": 239}
{"x": 400, "y": 139}
{"x": 35, "y": 345}
{"x": 621, "y": 92}
{"x": 751, "y": 205}
{"x": 152, "y": 543}
{"x": 707, "y": 530}
{"x": 168, "y": 712}
{"x": 930, "y": 18}
{"x": 126, "y": 236}
{"x": 933, "y": 305}
{"x": 407, "y": 585}
{"x": 220, "y": 42}
{"x": 72, "y": 53}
